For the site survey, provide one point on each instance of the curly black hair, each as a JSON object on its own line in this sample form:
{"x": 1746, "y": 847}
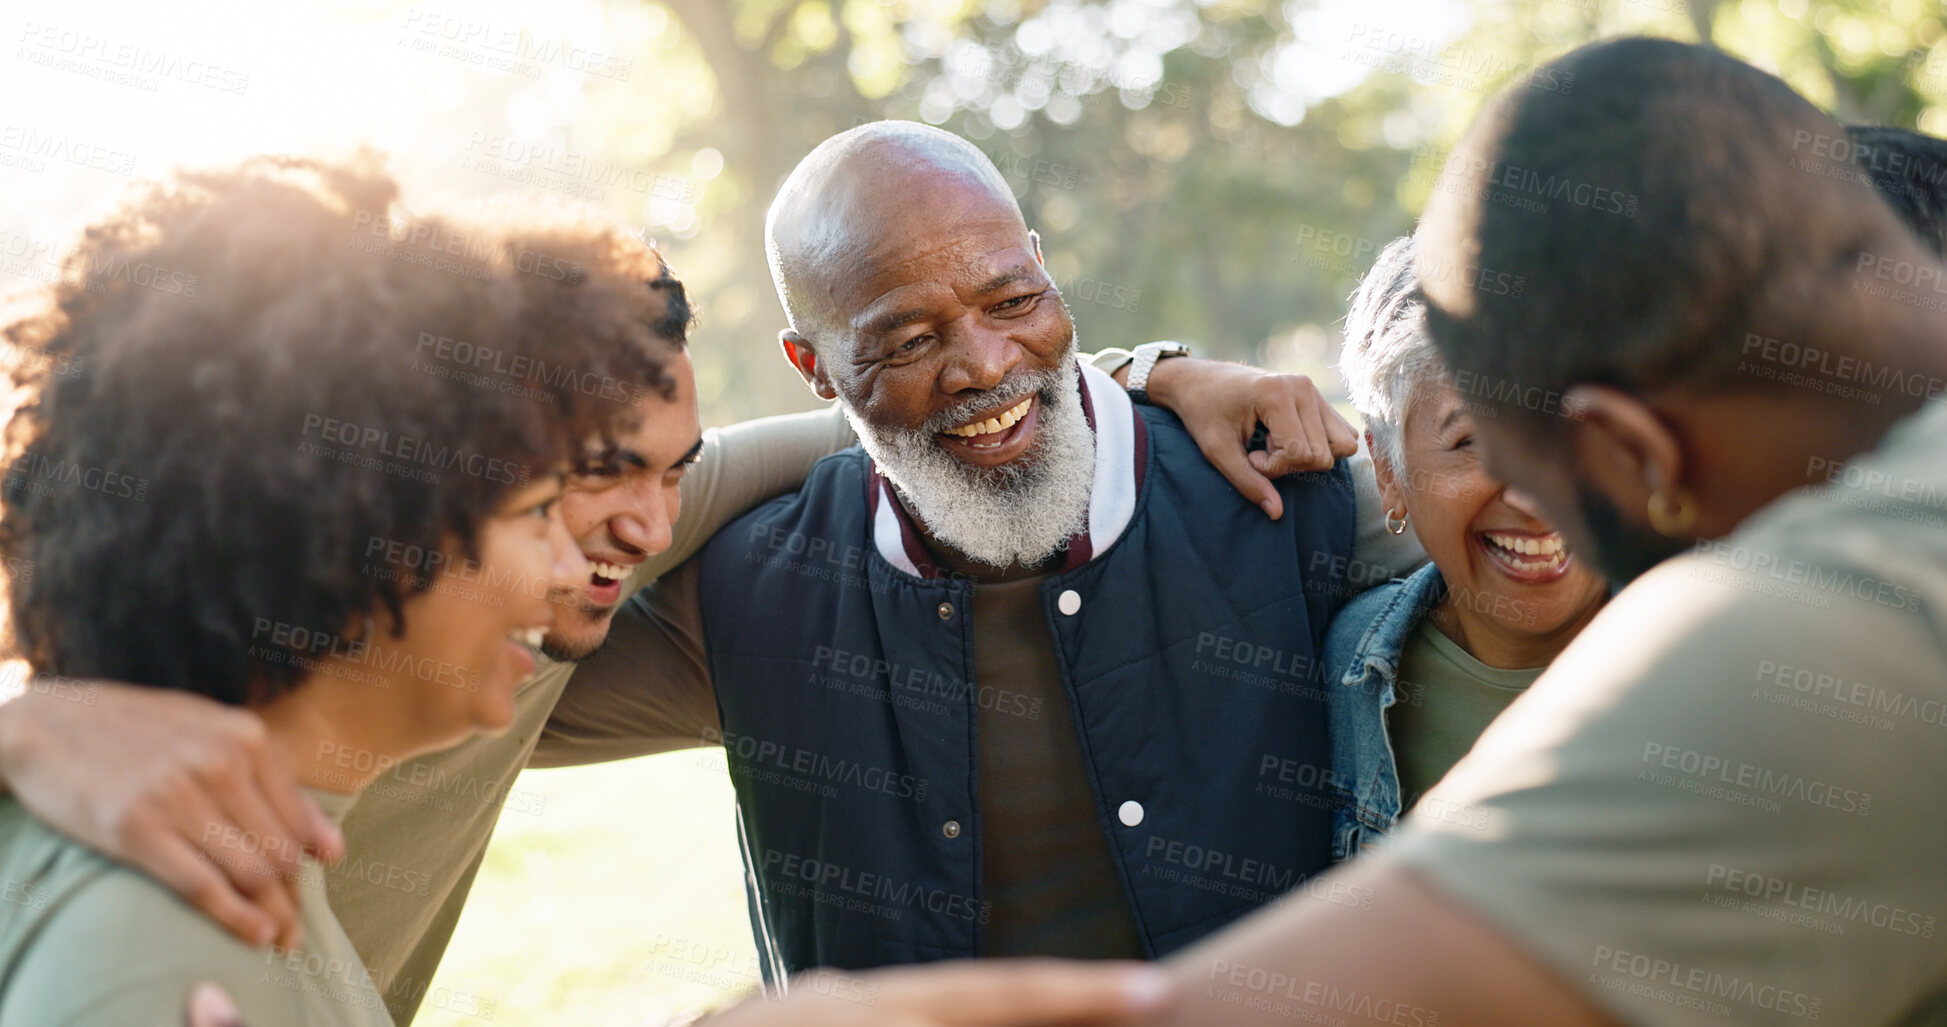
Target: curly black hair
{"x": 231, "y": 393}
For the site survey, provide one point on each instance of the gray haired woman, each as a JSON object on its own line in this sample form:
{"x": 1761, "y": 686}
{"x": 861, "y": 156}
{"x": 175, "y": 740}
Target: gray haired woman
{"x": 1423, "y": 664}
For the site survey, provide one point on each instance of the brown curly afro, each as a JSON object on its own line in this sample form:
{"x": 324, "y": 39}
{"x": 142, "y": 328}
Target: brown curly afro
{"x": 246, "y": 375}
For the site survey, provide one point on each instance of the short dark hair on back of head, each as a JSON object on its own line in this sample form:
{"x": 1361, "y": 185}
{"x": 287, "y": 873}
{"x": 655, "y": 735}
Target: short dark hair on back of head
{"x": 1910, "y": 171}
{"x": 1684, "y": 208}
{"x": 211, "y": 449}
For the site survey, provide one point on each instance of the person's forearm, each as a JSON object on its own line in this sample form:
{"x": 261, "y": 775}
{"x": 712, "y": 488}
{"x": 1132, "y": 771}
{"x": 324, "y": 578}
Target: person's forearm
{"x": 1368, "y": 945}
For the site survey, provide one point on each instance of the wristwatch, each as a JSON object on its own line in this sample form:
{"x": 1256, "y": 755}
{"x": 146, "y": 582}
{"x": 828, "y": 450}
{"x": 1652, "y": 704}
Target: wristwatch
{"x": 1147, "y": 355}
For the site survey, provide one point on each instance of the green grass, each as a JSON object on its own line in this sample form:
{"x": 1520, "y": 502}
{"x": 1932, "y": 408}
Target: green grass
{"x": 620, "y": 903}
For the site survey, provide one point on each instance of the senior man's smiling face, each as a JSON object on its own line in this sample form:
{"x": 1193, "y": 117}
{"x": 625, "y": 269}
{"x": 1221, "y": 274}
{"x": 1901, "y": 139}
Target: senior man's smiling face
{"x": 949, "y": 310}
{"x": 951, "y": 350}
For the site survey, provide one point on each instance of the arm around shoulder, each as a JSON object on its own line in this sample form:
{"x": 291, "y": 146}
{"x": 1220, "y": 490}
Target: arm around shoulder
{"x": 743, "y": 466}
{"x": 647, "y": 691}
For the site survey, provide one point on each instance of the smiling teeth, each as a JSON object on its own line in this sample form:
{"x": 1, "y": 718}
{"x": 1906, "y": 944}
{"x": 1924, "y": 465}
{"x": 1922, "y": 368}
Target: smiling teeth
{"x": 1545, "y": 554}
{"x": 994, "y": 424}
{"x": 1549, "y": 546}
{"x": 609, "y": 571}
{"x": 529, "y": 637}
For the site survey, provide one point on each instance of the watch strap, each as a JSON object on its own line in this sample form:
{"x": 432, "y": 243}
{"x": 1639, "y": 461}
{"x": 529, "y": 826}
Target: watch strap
{"x": 1146, "y": 356}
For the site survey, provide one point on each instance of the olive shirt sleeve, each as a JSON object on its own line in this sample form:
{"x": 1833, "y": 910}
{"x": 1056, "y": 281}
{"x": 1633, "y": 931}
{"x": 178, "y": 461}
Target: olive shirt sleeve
{"x": 1721, "y": 803}
{"x": 612, "y": 709}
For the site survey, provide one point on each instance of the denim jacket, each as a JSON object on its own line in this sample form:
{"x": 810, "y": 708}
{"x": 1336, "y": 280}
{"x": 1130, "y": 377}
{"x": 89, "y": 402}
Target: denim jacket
{"x": 1362, "y": 654}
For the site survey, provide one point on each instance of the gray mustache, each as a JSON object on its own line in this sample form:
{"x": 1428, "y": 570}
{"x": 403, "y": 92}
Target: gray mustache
{"x": 1004, "y": 396}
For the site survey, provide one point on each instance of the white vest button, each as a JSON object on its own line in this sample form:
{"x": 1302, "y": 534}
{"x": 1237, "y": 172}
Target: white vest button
{"x": 1069, "y": 602}
{"x": 1131, "y": 813}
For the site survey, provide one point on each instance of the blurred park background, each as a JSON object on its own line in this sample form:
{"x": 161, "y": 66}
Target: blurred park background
{"x": 1215, "y": 171}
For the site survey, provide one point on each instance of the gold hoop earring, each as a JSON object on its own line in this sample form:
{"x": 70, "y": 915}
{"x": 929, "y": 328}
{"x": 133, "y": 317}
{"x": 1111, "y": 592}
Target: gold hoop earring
{"x": 1672, "y": 518}
{"x": 1397, "y": 528}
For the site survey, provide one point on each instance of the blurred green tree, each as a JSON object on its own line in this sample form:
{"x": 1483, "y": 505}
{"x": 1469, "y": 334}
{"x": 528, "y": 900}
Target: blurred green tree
{"x": 1218, "y": 171}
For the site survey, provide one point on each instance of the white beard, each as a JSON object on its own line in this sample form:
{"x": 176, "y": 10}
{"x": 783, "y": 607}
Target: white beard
{"x": 1024, "y": 511}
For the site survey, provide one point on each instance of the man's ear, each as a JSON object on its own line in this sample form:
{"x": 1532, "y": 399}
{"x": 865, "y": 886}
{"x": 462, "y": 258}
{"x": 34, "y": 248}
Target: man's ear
{"x": 798, "y": 351}
{"x": 1034, "y": 240}
{"x": 1392, "y": 491}
{"x": 1624, "y": 448}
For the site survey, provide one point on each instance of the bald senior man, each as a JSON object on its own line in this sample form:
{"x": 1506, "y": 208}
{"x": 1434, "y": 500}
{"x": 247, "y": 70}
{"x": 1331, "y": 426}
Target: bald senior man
{"x": 1019, "y": 660}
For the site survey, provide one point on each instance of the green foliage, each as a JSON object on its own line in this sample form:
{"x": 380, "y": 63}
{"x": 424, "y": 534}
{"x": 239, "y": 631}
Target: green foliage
{"x": 1216, "y": 171}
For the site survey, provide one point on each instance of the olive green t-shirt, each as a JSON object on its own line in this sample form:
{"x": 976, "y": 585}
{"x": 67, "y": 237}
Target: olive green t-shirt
{"x": 1446, "y": 699}
{"x": 87, "y": 942}
{"x": 1046, "y": 871}
{"x": 1723, "y": 802}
